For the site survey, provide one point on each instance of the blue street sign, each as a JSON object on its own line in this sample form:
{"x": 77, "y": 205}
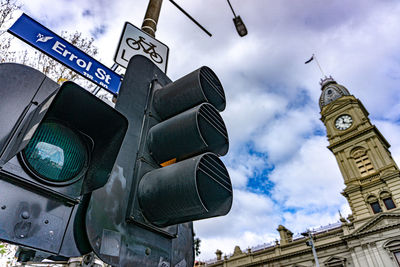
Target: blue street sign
{"x": 53, "y": 45}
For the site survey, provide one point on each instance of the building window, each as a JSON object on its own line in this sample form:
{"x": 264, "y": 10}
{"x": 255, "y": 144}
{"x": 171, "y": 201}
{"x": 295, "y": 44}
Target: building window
{"x": 364, "y": 165}
{"x": 393, "y": 247}
{"x": 374, "y": 203}
{"x": 389, "y": 204}
{"x": 397, "y": 256}
{"x": 336, "y": 265}
{"x": 362, "y": 161}
{"x": 376, "y": 208}
{"x": 387, "y": 200}
{"x": 335, "y": 262}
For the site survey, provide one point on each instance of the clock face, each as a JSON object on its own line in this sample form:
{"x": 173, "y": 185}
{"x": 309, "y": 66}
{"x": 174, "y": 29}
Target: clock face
{"x": 343, "y": 122}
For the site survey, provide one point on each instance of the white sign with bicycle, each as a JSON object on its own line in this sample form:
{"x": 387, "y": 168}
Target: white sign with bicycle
{"x": 134, "y": 41}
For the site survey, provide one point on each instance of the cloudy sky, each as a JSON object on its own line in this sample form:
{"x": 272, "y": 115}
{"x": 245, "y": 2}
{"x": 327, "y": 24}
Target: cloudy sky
{"x": 281, "y": 170}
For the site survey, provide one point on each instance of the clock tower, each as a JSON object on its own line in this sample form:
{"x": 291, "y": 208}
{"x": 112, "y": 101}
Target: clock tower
{"x": 371, "y": 177}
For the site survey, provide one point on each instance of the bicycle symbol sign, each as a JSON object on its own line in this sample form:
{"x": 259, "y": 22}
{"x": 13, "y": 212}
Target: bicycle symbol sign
{"x": 141, "y": 43}
{"x": 135, "y": 42}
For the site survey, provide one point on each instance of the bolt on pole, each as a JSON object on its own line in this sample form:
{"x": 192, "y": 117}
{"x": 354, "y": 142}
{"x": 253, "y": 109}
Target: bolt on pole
{"x": 151, "y": 18}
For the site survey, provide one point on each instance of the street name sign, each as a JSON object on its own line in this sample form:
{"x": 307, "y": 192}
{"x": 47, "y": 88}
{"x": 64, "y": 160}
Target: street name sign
{"x": 41, "y": 38}
{"x": 134, "y": 41}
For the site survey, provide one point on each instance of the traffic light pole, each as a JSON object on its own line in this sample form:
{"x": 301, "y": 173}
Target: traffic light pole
{"x": 151, "y": 17}
{"x": 153, "y": 12}
{"x": 313, "y": 249}
{"x": 143, "y": 216}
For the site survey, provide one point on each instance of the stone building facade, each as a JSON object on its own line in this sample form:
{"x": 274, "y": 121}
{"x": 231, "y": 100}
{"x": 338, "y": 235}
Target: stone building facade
{"x": 370, "y": 236}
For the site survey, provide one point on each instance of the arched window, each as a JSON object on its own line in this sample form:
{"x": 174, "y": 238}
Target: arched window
{"x": 387, "y": 200}
{"x": 363, "y": 163}
{"x": 393, "y": 247}
{"x": 335, "y": 261}
{"x": 374, "y": 203}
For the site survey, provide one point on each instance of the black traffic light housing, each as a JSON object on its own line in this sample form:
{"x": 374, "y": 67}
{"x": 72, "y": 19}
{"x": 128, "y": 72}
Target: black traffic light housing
{"x": 168, "y": 172}
{"x": 240, "y": 27}
{"x": 183, "y": 123}
{"x": 56, "y": 145}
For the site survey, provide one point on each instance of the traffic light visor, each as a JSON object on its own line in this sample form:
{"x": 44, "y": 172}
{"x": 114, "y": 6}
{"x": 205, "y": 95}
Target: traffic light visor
{"x": 193, "y": 189}
{"x": 199, "y": 86}
{"x": 56, "y": 153}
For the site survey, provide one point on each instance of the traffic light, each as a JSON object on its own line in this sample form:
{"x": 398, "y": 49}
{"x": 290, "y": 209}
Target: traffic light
{"x": 57, "y": 145}
{"x": 168, "y": 172}
{"x": 239, "y": 25}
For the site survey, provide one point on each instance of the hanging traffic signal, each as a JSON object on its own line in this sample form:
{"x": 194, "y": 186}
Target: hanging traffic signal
{"x": 168, "y": 172}
{"x": 238, "y": 22}
{"x": 56, "y": 145}
{"x": 240, "y": 27}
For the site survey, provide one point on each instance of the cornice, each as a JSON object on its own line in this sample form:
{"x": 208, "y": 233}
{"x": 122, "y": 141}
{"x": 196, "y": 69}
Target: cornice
{"x": 295, "y": 253}
{"x": 389, "y": 175}
{"x": 339, "y": 104}
{"x": 382, "y": 175}
{"x": 370, "y": 184}
{"x": 360, "y": 231}
{"x": 369, "y": 178}
{"x": 356, "y": 134}
{"x": 351, "y": 189}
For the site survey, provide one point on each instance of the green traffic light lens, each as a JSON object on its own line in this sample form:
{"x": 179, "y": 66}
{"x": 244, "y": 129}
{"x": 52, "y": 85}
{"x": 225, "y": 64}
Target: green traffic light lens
{"x": 56, "y": 152}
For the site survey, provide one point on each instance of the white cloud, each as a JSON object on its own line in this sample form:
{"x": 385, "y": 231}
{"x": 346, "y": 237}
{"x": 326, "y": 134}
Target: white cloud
{"x": 391, "y": 133}
{"x": 251, "y": 221}
{"x": 244, "y": 167}
{"x": 249, "y": 111}
{"x": 300, "y": 221}
{"x": 285, "y": 134}
{"x": 311, "y": 180}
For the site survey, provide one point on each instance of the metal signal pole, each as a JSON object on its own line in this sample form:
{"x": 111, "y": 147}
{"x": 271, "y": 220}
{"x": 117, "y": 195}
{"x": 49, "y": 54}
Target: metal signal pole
{"x": 311, "y": 244}
{"x": 153, "y": 12}
{"x": 151, "y": 18}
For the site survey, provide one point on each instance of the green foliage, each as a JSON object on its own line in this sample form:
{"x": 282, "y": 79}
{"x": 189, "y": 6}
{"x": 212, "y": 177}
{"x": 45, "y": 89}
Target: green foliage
{"x": 7, "y": 252}
{"x": 197, "y": 242}
{"x": 2, "y": 249}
